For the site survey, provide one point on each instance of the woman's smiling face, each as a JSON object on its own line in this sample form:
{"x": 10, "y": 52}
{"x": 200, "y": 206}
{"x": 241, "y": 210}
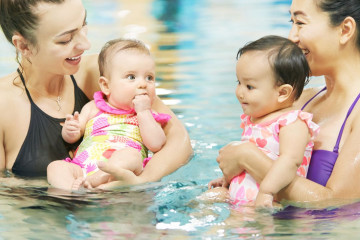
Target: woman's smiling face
{"x": 312, "y": 32}
{"x": 61, "y": 36}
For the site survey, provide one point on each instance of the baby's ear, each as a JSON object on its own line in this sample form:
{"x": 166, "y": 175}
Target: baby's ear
{"x": 285, "y": 92}
{"x": 104, "y": 85}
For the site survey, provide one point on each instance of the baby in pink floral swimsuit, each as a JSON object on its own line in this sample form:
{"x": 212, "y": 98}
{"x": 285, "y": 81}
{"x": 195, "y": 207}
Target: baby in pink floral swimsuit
{"x": 271, "y": 73}
{"x": 118, "y": 125}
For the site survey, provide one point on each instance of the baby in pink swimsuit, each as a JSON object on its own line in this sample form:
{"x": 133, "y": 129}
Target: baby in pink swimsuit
{"x": 271, "y": 73}
{"x": 118, "y": 125}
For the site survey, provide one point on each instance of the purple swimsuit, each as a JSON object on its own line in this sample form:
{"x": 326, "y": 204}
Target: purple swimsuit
{"x": 323, "y": 161}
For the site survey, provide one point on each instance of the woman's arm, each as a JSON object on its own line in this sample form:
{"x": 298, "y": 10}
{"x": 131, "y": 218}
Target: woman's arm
{"x": 175, "y": 153}
{"x": 343, "y": 182}
{"x": 234, "y": 158}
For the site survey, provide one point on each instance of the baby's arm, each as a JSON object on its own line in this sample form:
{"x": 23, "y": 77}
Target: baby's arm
{"x": 151, "y": 132}
{"x": 74, "y": 125}
{"x": 293, "y": 139}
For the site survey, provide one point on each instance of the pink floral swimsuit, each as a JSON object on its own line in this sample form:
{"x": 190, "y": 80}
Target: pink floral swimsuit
{"x": 110, "y": 130}
{"x": 243, "y": 188}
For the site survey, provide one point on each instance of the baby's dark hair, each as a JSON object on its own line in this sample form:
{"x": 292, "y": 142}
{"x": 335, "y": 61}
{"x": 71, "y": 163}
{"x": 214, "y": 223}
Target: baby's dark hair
{"x": 287, "y": 60}
{"x": 116, "y": 45}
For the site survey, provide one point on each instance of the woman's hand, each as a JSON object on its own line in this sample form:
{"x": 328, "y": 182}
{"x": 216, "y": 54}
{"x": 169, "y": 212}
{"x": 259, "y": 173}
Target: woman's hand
{"x": 264, "y": 200}
{"x": 239, "y": 156}
{"x": 229, "y": 160}
{"x": 219, "y": 182}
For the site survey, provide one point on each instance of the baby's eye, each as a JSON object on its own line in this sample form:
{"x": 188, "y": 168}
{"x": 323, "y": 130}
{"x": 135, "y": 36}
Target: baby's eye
{"x": 249, "y": 87}
{"x": 131, "y": 77}
{"x": 150, "y": 78}
{"x": 238, "y": 82}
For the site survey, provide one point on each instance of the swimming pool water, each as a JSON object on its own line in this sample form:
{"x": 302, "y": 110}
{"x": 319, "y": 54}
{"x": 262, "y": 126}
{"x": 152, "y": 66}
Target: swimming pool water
{"x": 195, "y": 44}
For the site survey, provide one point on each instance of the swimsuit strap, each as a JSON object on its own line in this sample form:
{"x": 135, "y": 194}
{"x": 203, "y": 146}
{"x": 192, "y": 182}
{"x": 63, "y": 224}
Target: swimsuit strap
{"x": 27, "y": 91}
{"x": 23, "y": 81}
{"x": 336, "y": 148}
{"x": 74, "y": 81}
{"x": 313, "y": 98}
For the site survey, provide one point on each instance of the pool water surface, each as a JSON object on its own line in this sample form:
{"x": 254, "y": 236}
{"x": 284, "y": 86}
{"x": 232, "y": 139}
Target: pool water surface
{"x": 195, "y": 45}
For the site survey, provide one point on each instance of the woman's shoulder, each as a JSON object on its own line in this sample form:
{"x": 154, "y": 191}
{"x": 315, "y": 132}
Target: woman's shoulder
{"x": 306, "y": 95}
{"x": 13, "y": 99}
{"x": 88, "y": 75}
{"x": 10, "y": 87}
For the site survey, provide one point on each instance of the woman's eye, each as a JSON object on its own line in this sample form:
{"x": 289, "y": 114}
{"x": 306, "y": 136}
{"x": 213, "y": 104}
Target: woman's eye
{"x": 65, "y": 42}
{"x": 296, "y": 22}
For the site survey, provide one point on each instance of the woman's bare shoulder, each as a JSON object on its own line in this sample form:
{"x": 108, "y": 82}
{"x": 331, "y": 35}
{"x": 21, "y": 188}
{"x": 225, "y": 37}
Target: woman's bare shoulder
{"x": 306, "y": 95}
{"x": 10, "y": 88}
{"x": 88, "y": 75}
{"x": 13, "y": 99}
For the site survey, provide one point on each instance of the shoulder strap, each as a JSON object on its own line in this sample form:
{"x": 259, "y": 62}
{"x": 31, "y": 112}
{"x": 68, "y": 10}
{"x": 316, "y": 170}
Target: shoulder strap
{"x": 313, "y": 98}
{"x": 336, "y": 147}
{"x": 23, "y": 81}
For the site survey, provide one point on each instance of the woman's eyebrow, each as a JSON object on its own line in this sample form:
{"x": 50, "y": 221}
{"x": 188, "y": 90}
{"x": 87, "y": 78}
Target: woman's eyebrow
{"x": 72, "y": 30}
{"x": 297, "y": 13}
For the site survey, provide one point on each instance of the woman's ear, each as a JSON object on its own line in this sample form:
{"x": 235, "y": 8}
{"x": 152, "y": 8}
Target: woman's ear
{"x": 104, "y": 85}
{"x": 348, "y": 29}
{"x": 21, "y": 44}
{"x": 285, "y": 92}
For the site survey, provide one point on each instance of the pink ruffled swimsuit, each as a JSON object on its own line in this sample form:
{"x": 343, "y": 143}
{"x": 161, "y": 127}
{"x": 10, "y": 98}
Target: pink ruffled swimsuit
{"x": 110, "y": 130}
{"x": 243, "y": 188}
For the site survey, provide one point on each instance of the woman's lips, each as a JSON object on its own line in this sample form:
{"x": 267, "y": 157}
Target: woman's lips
{"x": 74, "y": 60}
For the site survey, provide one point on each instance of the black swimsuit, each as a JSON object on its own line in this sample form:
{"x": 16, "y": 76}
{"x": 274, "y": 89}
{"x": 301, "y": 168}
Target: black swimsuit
{"x": 43, "y": 143}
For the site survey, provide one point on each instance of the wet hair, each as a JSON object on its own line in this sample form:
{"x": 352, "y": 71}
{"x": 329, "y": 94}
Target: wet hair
{"x": 286, "y": 59}
{"x": 116, "y": 45}
{"x": 19, "y": 16}
{"x": 338, "y": 10}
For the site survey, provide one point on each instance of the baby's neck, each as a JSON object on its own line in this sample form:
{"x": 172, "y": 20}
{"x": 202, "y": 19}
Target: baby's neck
{"x": 271, "y": 115}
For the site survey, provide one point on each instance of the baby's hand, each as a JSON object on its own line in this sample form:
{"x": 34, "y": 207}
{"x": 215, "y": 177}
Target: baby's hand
{"x": 220, "y": 182}
{"x": 264, "y": 200}
{"x": 142, "y": 103}
{"x": 71, "y": 128}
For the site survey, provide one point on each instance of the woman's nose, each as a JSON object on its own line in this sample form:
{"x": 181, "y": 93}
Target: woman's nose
{"x": 83, "y": 41}
{"x": 293, "y": 34}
